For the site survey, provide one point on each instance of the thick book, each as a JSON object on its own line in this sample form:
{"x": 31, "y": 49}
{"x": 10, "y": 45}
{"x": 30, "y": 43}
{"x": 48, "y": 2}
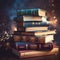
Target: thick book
{"x": 35, "y": 24}
{"x": 32, "y": 29}
{"x": 34, "y": 39}
{"x": 33, "y": 46}
{"x": 32, "y": 24}
{"x": 30, "y": 33}
{"x": 35, "y": 29}
{"x": 45, "y": 33}
{"x": 28, "y": 18}
{"x": 31, "y": 12}
{"x": 34, "y": 53}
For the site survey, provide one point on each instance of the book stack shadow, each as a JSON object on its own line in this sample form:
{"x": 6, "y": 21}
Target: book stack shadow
{"x": 34, "y": 35}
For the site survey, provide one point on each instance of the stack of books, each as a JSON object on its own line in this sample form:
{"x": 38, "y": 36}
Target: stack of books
{"x": 34, "y": 31}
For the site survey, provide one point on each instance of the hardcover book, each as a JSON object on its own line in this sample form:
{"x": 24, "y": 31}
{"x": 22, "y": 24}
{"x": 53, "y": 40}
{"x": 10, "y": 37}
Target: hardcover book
{"x": 34, "y": 53}
{"x": 28, "y": 18}
{"x": 31, "y": 12}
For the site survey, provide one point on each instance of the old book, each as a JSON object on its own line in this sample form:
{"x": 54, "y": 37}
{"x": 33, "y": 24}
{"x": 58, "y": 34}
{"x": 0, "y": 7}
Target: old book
{"x": 28, "y": 18}
{"x": 34, "y": 29}
{"x": 31, "y": 12}
{"x": 33, "y": 46}
{"x": 34, "y": 53}
{"x": 45, "y": 33}
{"x": 30, "y": 33}
{"x": 34, "y": 24}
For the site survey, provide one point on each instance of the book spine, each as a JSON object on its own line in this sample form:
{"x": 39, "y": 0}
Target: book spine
{"x": 31, "y": 12}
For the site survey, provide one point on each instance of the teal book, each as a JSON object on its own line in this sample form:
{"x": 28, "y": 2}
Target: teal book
{"x": 31, "y": 12}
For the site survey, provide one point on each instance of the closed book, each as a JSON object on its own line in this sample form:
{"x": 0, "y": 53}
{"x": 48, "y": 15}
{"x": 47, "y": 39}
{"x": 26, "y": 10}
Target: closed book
{"x": 31, "y": 12}
{"x": 26, "y": 46}
{"x": 34, "y": 29}
{"x": 45, "y": 33}
{"x": 28, "y": 18}
{"x": 34, "y": 24}
{"x": 34, "y": 53}
{"x": 33, "y": 46}
{"x": 30, "y": 33}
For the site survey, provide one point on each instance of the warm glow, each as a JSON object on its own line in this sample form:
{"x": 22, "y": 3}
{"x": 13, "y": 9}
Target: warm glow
{"x": 13, "y": 28}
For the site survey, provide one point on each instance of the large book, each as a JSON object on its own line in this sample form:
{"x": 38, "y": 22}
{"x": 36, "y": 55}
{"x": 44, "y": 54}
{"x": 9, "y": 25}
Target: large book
{"x": 45, "y": 33}
{"x": 34, "y": 39}
{"x": 34, "y": 53}
{"x": 33, "y": 46}
{"x": 34, "y": 29}
{"x": 32, "y": 24}
{"x": 28, "y": 18}
{"x": 31, "y": 12}
{"x": 48, "y": 32}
